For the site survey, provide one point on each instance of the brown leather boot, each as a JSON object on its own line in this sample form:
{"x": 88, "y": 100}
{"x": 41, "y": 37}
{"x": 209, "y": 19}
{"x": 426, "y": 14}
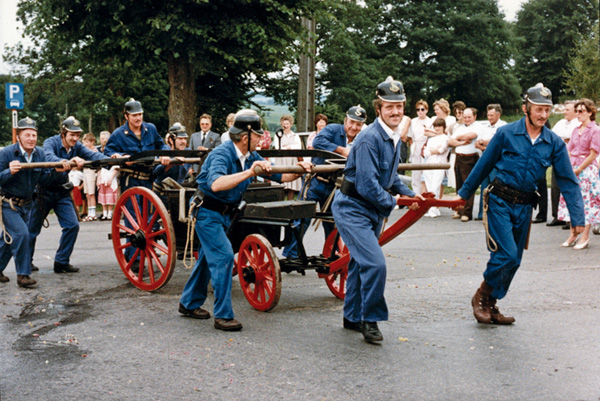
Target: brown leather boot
{"x": 497, "y": 317}
{"x": 480, "y": 302}
{"x": 25, "y": 281}
{"x": 3, "y": 278}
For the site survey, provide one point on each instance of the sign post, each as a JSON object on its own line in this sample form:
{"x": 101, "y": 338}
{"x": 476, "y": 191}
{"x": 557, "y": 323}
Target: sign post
{"x": 14, "y": 101}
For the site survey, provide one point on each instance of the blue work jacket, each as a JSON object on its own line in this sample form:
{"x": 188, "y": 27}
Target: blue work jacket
{"x": 520, "y": 165}
{"x": 54, "y": 149}
{"x": 177, "y": 172}
{"x": 223, "y": 160}
{"x": 372, "y": 166}
{"x": 124, "y": 142}
{"x": 329, "y": 138}
{"x": 22, "y": 184}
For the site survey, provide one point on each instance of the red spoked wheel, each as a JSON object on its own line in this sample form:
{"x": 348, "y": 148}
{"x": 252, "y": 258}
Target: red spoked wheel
{"x": 336, "y": 280}
{"x": 149, "y": 231}
{"x": 259, "y": 272}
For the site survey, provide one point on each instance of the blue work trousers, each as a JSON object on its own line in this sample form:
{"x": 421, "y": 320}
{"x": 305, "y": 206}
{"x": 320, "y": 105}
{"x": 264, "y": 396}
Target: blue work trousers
{"x": 508, "y": 225}
{"x": 67, "y": 218}
{"x": 126, "y": 182}
{"x": 318, "y": 191}
{"x": 359, "y": 227}
{"x": 215, "y": 262}
{"x": 15, "y": 223}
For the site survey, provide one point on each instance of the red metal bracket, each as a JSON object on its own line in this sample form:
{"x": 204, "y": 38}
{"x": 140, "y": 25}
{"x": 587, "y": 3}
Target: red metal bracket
{"x": 405, "y": 222}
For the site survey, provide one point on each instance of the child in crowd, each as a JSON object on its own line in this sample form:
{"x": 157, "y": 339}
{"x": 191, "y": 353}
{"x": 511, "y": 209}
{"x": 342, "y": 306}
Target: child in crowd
{"x": 436, "y": 151}
{"x": 76, "y": 177}
{"x": 108, "y": 186}
{"x": 89, "y": 179}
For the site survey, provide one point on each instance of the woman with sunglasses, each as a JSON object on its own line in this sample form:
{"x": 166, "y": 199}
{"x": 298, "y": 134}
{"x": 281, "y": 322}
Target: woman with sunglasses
{"x": 584, "y": 147}
{"x": 419, "y": 125}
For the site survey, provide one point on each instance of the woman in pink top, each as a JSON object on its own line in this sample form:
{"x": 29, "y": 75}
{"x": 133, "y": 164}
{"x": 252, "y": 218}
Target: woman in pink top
{"x": 584, "y": 147}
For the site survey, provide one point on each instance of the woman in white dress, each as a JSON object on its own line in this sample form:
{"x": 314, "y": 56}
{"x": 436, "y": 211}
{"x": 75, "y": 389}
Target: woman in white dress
{"x": 289, "y": 140}
{"x": 417, "y": 132}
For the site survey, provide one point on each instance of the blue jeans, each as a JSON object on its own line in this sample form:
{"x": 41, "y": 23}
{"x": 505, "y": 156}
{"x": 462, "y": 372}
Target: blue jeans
{"x": 67, "y": 218}
{"x": 359, "y": 227}
{"x": 215, "y": 262}
{"x": 509, "y": 225}
{"x": 15, "y": 223}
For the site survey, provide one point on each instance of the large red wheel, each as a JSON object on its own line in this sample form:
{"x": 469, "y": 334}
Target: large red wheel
{"x": 259, "y": 272}
{"x": 336, "y": 281}
{"x": 149, "y": 231}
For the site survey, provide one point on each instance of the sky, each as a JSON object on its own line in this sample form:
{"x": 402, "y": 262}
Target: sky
{"x": 10, "y": 33}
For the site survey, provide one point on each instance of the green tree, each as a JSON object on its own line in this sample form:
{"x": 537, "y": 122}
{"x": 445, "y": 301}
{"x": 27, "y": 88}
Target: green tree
{"x": 211, "y": 53}
{"x": 582, "y": 75}
{"x": 437, "y": 48}
{"x": 546, "y": 33}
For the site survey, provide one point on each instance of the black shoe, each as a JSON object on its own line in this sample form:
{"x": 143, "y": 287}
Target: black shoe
{"x": 538, "y": 220}
{"x": 478, "y": 218}
{"x": 227, "y": 324}
{"x": 371, "y": 332}
{"x": 64, "y": 268}
{"x": 356, "y": 326}
{"x": 556, "y": 222}
{"x": 34, "y": 268}
{"x": 197, "y": 313}
{"x": 135, "y": 267}
{"x": 567, "y": 226}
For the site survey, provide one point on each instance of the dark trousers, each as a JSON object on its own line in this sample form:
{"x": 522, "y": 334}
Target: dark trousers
{"x": 462, "y": 168}
{"x": 542, "y": 188}
{"x": 554, "y": 196}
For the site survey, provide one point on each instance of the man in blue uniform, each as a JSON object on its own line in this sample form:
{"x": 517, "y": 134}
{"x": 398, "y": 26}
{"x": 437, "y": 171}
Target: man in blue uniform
{"x": 16, "y": 193}
{"x": 369, "y": 193}
{"x": 178, "y": 137}
{"x": 56, "y": 193}
{"x": 225, "y": 175}
{"x": 133, "y": 137}
{"x": 520, "y": 152}
{"x": 333, "y": 138}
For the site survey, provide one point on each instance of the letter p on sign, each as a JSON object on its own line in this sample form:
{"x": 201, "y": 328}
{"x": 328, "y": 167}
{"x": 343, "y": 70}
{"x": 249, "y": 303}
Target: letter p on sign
{"x": 14, "y": 96}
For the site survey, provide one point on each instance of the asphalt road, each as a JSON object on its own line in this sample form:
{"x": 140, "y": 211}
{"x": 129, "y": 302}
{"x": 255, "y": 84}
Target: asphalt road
{"x": 93, "y": 336}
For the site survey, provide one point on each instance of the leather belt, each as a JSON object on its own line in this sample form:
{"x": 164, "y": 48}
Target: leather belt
{"x": 218, "y": 206}
{"x": 466, "y": 155}
{"x": 348, "y": 188}
{"x": 13, "y": 200}
{"x": 512, "y": 195}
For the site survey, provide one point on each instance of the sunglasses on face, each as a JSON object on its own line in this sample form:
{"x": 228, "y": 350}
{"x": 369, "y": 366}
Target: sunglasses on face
{"x": 581, "y": 111}
{"x": 421, "y": 109}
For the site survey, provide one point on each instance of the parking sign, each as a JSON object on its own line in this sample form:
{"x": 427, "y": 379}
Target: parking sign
{"x": 14, "y": 96}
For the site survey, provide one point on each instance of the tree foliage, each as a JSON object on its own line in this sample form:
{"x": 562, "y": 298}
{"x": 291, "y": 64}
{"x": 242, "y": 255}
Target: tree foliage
{"x": 192, "y": 55}
{"x": 437, "y": 48}
{"x": 546, "y": 33}
{"x": 582, "y": 75}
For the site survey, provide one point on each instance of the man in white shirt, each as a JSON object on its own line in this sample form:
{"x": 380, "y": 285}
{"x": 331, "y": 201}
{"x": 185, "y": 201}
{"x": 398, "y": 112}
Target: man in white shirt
{"x": 563, "y": 128}
{"x": 488, "y": 130}
{"x": 463, "y": 139}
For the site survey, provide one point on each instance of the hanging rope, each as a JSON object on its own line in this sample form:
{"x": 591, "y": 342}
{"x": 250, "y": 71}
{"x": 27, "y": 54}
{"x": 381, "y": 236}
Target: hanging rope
{"x": 491, "y": 244}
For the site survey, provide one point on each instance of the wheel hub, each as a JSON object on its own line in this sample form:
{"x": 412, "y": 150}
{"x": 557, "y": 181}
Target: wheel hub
{"x": 249, "y": 275}
{"x": 138, "y": 239}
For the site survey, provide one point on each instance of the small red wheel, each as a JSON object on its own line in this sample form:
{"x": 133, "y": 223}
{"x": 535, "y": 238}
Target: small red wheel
{"x": 336, "y": 281}
{"x": 259, "y": 272}
{"x": 150, "y": 233}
